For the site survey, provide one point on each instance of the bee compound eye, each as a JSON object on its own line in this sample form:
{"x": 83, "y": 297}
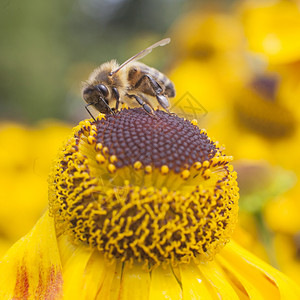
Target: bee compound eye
{"x": 87, "y": 91}
{"x": 102, "y": 88}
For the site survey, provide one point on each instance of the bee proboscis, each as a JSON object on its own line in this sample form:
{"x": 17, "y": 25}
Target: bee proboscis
{"x": 131, "y": 82}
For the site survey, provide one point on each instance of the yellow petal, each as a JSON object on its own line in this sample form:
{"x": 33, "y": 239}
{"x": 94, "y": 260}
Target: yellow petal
{"x": 217, "y": 279}
{"x": 271, "y": 283}
{"x": 98, "y": 276}
{"x": 135, "y": 283}
{"x": 194, "y": 284}
{"x": 108, "y": 287}
{"x": 115, "y": 286}
{"x": 31, "y": 268}
{"x": 243, "y": 287}
{"x": 84, "y": 274}
{"x": 66, "y": 249}
{"x": 164, "y": 285}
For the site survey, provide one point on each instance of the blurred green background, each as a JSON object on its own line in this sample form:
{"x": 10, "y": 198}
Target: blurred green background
{"x": 48, "y": 47}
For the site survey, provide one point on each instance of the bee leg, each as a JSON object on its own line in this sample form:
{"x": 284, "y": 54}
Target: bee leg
{"x": 155, "y": 86}
{"x": 162, "y": 100}
{"x": 141, "y": 102}
{"x": 86, "y": 107}
{"x": 116, "y": 95}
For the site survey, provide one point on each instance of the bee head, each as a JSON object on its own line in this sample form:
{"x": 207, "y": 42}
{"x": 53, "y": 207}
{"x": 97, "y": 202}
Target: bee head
{"x": 96, "y": 95}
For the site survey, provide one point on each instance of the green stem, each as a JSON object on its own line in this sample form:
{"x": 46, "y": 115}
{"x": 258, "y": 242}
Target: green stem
{"x": 266, "y": 237}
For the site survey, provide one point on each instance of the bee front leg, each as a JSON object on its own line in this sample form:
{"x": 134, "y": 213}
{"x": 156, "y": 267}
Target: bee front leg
{"x": 162, "y": 100}
{"x": 116, "y": 95}
{"x": 141, "y": 102}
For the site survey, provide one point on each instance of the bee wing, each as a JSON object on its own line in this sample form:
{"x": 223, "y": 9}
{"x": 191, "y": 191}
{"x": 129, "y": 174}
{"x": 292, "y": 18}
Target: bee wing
{"x": 142, "y": 53}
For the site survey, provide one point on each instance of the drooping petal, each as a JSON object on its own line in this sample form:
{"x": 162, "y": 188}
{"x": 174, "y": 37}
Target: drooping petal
{"x": 270, "y": 283}
{"x": 244, "y": 288}
{"x": 31, "y": 269}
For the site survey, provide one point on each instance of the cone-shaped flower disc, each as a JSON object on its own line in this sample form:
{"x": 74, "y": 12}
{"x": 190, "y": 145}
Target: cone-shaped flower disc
{"x": 142, "y": 206}
{"x": 147, "y": 188}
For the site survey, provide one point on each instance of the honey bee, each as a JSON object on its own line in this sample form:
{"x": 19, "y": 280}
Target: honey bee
{"x": 131, "y": 82}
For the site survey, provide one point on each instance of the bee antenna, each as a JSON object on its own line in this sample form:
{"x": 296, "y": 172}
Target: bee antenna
{"x": 86, "y": 107}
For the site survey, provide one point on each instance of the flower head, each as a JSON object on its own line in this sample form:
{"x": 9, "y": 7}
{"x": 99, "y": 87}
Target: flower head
{"x": 139, "y": 204}
{"x": 145, "y": 188}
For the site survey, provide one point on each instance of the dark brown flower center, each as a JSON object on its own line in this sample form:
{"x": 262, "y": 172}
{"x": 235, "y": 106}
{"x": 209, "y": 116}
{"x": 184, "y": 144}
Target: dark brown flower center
{"x": 132, "y": 135}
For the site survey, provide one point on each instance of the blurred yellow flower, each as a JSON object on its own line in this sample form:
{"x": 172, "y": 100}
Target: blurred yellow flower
{"x": 140, "y": 208}
{"x": 203, "y": 35}
{"x": 25, "y": 159}
{"x": 210, "y": 63}
{"x": 272, "y": 28}
{"x": 259, "y": 125}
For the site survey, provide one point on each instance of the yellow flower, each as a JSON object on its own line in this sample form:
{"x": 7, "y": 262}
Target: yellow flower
{"x": 210, "y": 63}
{"x": 259, "y": 125}
{"x": 25, "y": 160}
{"x": 151, "y": 189}
{"x": 273, "y": 29}
{"x": 204, "y": 35}
{"x": 141, "y": 207}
